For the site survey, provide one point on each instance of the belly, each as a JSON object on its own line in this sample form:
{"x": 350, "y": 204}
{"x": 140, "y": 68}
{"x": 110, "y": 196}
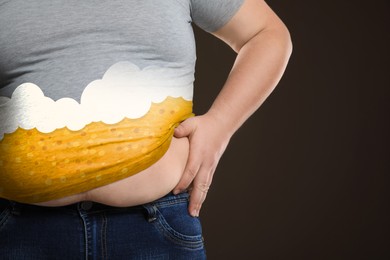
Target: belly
{"x": 125, "y": 163}
{"x": 146, "y": 186}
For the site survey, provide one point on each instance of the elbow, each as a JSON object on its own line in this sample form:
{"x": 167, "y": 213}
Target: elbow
{"x": 288, "y": 45}
{"x": 282, "y": 41}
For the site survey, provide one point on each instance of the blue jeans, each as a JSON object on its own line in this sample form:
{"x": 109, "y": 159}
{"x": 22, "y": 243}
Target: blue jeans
{"x": 162, "y": 229}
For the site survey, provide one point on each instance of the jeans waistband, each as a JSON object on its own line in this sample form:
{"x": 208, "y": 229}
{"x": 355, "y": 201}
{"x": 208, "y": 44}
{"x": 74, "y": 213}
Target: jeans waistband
{"x": 164, "y": 201}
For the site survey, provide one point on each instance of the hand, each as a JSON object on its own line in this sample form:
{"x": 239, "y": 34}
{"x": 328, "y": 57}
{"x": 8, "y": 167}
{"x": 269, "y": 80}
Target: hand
{"x": 208, "y": 140}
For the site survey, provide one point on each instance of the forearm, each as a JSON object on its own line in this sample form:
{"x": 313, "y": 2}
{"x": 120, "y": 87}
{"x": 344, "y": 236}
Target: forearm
{"x": 264, "y": 47}
{"x": 257, "y": 70}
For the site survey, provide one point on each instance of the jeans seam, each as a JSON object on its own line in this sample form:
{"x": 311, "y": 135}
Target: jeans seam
{"x": 164, "y": 204}
{"x": 87, "y": 238}
{"x": 103, "y": 236}
{"x": 190, "y": 242}
{"x": 5, "y": 217}
{"x": 183, "y": 197}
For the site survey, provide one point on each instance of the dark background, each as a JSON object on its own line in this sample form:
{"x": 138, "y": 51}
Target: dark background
{"x": 306, "y": 177}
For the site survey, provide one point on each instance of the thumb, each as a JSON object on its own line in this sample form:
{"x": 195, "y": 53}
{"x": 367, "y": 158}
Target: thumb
{"x": 185, "y": 128}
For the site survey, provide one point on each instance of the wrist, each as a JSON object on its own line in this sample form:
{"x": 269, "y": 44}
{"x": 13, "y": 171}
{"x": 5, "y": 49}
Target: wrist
{"x": 222, "y": 121}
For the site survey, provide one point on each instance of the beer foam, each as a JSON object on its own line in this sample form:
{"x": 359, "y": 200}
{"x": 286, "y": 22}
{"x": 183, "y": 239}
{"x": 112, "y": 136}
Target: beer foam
{"x": 125, "y": 91}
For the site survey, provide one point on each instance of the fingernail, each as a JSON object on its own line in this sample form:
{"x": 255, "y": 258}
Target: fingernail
{"x": 175, "y": 192}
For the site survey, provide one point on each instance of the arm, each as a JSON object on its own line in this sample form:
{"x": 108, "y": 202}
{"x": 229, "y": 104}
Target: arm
{"x": 263, "y": 45}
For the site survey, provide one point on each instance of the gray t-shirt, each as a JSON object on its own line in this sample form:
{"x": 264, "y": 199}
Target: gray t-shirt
{"x": 104, "y": 55}
{"x": 62, "y": 46}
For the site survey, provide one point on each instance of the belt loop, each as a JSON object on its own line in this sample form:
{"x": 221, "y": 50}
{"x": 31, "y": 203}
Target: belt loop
{"x": 152, "y": 212}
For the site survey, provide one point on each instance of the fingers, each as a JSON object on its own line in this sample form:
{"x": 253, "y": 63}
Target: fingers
{"x": 201, "y": 185}
{"x": 185, "y": 129}
{"x": 202, "y": 160}
{"x": 189, "y": 174}
{"x": 199, "y": 178}
{"x": 193, "y": 162}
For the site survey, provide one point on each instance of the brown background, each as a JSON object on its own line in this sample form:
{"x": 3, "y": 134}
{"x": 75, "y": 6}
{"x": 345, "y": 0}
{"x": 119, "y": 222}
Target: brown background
{"x": 307, "y": 176}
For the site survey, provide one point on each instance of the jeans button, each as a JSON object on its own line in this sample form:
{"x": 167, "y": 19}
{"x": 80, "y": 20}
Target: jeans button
{"x": 86, "y": 205}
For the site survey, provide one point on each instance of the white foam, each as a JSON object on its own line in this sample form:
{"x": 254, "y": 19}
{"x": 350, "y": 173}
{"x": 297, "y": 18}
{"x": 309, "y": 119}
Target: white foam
{"x": 124, "y": 91}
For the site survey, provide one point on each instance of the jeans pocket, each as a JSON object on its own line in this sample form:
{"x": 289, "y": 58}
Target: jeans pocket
{"x": 173, "y": 221}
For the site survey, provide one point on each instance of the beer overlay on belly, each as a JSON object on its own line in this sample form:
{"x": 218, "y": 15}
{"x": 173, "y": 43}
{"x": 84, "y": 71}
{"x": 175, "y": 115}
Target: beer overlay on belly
{"x": 123, "y": 124}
